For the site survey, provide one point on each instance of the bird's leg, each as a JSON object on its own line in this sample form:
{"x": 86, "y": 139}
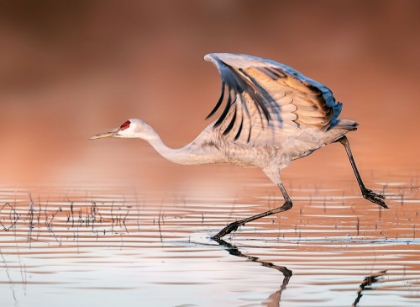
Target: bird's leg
{"x": 368, "y": 194}
{"x": 234, "y": 226}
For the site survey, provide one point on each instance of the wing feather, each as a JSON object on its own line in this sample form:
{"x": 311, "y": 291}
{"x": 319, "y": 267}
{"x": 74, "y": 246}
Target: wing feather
{"x": 271, "y": 100}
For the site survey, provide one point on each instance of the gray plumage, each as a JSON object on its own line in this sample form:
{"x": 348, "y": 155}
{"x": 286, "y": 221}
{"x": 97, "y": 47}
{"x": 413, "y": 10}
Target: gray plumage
{"x": 272, "y": 115}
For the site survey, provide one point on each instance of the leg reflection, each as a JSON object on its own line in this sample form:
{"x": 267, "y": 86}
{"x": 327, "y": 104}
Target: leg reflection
{"x": 273, "y": 299}
{"x": 366, "y": 285}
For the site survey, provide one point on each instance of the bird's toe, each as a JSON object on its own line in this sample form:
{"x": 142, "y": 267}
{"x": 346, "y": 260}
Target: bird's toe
{"x": 227, "y": 230}
{"x": 375, "y": 198}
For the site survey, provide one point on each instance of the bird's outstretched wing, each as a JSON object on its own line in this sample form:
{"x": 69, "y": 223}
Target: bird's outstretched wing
{"x": 266, "y": 100}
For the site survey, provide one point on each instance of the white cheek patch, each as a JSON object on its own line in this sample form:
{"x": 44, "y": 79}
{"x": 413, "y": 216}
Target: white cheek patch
{"x": 127, "y": 130}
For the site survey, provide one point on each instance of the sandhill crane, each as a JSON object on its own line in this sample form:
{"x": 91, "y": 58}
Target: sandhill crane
{"x": 273, "y": 114}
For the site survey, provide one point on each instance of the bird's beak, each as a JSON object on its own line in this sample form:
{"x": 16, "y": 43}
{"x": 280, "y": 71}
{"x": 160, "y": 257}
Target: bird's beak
{"x": 105, "y": 134}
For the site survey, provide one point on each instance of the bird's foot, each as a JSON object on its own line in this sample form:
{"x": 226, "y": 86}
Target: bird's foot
{"x": 227, "y": 230}
{"x": 375, "y": 198}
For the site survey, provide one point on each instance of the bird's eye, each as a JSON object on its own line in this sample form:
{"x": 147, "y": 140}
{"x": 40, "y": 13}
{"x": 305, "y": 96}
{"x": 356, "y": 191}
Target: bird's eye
{"x": 125, "y": 125}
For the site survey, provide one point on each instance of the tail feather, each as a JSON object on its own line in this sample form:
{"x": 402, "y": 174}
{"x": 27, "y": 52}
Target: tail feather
{"x": 346, "y": 124}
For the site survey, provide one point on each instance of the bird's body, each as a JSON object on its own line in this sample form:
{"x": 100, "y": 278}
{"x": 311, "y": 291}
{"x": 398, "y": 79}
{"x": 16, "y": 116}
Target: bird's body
{"x": 272, "y": 116}
{"x": 287, "y": 149}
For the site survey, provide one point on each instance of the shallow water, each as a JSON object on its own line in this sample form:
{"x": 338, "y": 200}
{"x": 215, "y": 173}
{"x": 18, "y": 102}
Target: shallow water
{"x": 141, "y": 236}
{"x": 69, "y": 246}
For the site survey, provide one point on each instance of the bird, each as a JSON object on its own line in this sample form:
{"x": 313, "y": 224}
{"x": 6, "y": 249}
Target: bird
{"x": 271, "y": 115}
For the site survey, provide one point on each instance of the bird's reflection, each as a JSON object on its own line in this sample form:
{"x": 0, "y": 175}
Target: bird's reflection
{"x": 366, "y": 285}
{"x": 274, "y": 298}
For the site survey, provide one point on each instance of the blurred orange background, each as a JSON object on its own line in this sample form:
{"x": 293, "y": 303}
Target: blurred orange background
{"x": 71, "y": 69}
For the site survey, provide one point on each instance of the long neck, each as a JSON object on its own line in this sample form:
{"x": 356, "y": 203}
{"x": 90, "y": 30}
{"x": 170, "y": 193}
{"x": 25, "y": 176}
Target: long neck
{"x": 191, "y": 154}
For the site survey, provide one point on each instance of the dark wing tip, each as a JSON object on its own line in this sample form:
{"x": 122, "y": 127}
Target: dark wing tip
{"x": 237, "y": 82}
{"x": 219, "y": 102}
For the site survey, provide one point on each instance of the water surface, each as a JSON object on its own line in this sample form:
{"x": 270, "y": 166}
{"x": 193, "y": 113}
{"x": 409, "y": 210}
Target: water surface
{"x": 72, "y": 246}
